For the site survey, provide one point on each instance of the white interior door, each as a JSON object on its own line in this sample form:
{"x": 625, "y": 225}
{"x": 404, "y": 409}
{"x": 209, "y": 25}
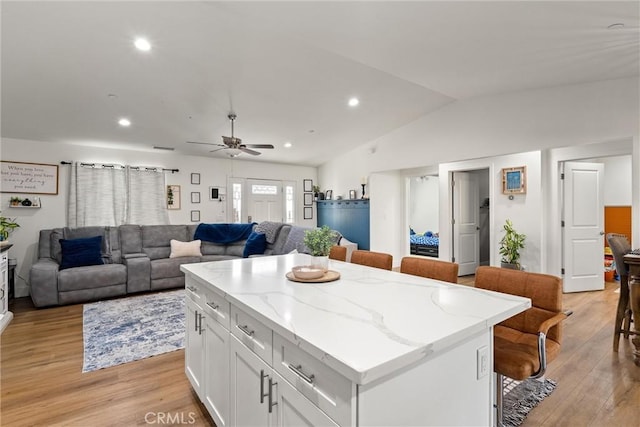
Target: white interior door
{"x": 583, "y": 231}
{"x": 264, "y": 200}
{"x": 466, "y": 222}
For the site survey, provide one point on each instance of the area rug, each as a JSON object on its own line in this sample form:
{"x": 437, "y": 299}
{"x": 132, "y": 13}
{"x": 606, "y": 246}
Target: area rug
{"x": 127, "y": 329}
{"x": 522, "y": 396}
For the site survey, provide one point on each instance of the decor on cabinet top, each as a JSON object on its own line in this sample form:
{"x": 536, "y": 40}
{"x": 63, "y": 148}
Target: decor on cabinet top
{"x": 29, "y": 178}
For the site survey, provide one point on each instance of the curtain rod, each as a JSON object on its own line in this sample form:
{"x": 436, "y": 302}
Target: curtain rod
{"x": 132, "y": 167}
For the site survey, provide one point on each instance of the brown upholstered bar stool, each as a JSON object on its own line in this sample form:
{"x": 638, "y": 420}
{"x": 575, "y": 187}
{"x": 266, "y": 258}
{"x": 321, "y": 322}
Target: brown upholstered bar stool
{"x": 432, "y": 269}
{"x": 372, "y": 259}
{"x": 526, "y": 342}
{"x": 620, "y": 247}
{"x": 338, "y": 253}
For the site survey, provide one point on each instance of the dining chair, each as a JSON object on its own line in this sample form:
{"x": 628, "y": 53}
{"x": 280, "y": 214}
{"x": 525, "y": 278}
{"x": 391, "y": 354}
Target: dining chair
{"x": 525, "y": 343}
{"x": 338, "y": 253}
{"x": 372, "y": 259}
{"x": 620, "y": 247}
{"x": 430, "y": 268}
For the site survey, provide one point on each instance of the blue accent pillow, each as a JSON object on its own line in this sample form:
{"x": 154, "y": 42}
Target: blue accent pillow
{"x": 256, "y": 244}
{"x": 411, "y": 232}
{"x": 428, "y": 234}
{"x": 81, "y": 252}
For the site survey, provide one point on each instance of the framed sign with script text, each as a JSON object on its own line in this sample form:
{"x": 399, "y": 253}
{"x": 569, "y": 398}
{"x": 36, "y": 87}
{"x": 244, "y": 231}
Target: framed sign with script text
{"x": 29, "y": 178}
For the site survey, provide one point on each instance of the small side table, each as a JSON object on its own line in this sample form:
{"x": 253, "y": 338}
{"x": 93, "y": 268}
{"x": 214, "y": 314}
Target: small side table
{"x": 12, "y": 278}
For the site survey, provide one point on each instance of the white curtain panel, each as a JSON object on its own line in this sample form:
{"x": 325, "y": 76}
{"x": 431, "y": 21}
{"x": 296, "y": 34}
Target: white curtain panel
{"x": 96, "y": 196}
{"x": 114, "y": 196}
{"x": 146, "y": 197}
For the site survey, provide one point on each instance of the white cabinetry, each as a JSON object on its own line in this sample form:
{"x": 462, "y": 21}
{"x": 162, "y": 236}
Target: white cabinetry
{"x": 5, "y": 314}
{"x": 207, "y": 350}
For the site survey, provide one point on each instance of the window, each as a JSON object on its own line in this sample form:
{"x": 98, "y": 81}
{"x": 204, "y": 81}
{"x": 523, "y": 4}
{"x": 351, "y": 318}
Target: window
{"x": 264, "y": 189}
{"x": 289, "y": 209}
{"x": 236, "y": 202}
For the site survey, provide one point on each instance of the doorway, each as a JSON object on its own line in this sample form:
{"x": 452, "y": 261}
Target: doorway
{"x": 471, "y": 220}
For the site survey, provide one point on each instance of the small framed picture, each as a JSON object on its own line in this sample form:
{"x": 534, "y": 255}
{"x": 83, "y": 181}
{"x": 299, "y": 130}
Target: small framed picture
{"x": 328, "y": 195}
{"x": 195, "y": 216}
{"x": 307, "y": 185}
{"x": 308, "y": 199}
{"x": 352, "y": 194}
{"x": 308, "y": 213}
{"x": 195, "y": 197}
{"x": 173, "y": 197}
{"x": 195, "y": 178}
{"x": 514, "y": 180}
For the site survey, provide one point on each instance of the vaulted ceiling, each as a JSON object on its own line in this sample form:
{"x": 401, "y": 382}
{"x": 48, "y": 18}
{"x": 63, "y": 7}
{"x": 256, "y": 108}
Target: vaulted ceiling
{"x": 287, "y": 69}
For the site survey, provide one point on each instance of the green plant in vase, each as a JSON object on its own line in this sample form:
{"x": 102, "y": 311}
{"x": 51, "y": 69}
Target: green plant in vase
{"x": 7, "y": 225}
{"x": 510, "y": 245}
{"x": 319, "y": 242}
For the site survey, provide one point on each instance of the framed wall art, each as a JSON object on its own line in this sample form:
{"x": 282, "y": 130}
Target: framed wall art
{"x": 195, "y": 197}
{"x": 308, "y": 213}
{"x": 514, "y": 180}
{"x": 195, "y": 178}
{"x": 308, "y": 199}
{"x": 29, "y": 178}
{"x": 195, "y": 216}
{"x": 173, "y": 197}
{"x": 307, "y": 185}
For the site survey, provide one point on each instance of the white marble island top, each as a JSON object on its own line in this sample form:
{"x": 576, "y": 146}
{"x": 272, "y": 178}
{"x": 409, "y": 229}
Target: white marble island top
{"x": 365, "y": 325}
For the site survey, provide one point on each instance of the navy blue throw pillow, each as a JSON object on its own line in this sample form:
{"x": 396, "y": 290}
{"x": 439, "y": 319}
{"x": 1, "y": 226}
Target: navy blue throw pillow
{"x": 256, "y": 244}
{"x": 81, "y": 252}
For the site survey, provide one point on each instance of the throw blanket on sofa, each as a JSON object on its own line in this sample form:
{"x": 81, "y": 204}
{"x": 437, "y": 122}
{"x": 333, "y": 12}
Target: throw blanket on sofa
{"x": 269, "y": 229}
{"x": 223, "y": 233}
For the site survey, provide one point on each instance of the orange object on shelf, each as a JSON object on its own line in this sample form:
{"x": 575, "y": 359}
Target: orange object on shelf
{"x": 609, "y": 276}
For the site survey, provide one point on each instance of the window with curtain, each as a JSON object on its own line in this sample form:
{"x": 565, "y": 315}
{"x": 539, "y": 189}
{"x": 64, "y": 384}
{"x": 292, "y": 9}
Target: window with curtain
{"x": 114, "y": 195}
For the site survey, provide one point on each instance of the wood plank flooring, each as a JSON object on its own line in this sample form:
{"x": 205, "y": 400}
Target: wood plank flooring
{"x": 42, "y": 384}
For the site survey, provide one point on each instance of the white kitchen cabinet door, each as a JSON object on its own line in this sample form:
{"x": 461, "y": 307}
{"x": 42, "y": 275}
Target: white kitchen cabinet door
{"x": 295, "y": 410}
{"x": 194, "y": 354}
{"x": 249, "y": 385}
{"x": 216, "y": 371}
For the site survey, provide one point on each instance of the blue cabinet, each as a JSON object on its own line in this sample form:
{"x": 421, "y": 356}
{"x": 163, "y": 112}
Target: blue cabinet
{"x": 349, "y": 217}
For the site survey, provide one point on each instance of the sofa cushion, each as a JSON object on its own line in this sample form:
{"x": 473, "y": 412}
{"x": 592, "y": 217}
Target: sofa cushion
{"x": 210, "y": 248}
{"x": 92, "y": 277}
{"x": 54, "y": 244}
{"x": 235, "y": 249}
{"x": 156, "y": 239}
{"x": 85, "y": 232}
{"x": 179, "y": 249}
{"x": 81, "y": 252}
{"x": 255, "y": 245}
{"x": 170, "y": 267}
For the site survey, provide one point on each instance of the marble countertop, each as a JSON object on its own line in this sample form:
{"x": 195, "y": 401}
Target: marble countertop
{"x": 365, "y": 325}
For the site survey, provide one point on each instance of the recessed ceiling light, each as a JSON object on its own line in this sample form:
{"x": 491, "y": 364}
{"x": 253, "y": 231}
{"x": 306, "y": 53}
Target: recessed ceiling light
{"x": 124, "y": 122}
{"x": 142, "y": 44}
{"x": 287, "y": 145}
{"x": 353, "y": 102}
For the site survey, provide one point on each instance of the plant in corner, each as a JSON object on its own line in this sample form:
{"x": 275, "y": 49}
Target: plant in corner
{"x": 7, "y": 225}
{"x": 510, "y": 246}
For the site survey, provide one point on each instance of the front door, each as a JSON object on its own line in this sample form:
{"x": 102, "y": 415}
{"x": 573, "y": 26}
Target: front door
{"x": 466, "y": 219}
{"x": 264, "y": 200}
{"x": 583, "y": 231}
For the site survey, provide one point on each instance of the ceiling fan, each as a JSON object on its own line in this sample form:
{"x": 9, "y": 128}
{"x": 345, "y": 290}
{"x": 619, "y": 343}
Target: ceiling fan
{"x": 234, "y": 144}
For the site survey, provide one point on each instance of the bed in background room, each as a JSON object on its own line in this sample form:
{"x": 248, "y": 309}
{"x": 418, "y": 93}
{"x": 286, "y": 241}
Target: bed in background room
{"x": 424, "y": 244}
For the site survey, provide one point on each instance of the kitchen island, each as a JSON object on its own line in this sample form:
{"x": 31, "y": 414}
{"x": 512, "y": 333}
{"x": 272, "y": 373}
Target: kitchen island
{"x": 373, "y": 348}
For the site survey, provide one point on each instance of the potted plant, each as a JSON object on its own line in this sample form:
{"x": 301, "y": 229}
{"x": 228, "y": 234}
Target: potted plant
{"x": 7, "y": 225}
{"x": 319, "y": 242}
{"x": 15, "y": 201}
{"x": 510, "y": 246}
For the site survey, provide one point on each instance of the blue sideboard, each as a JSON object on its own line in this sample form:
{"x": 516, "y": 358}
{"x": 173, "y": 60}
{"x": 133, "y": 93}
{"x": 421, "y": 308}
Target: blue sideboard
{"x": 349, "y": 217}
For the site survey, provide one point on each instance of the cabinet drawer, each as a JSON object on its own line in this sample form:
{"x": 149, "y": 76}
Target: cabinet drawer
{"x": 252, "y": 333}
{"x": 193, "y": 290}
{"x": 216, "y": 307}
{"x": 326, "y": 388}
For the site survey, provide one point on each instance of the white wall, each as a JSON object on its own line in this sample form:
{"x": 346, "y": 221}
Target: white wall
{"x": 213, "y": 172}
{"x": 617, "y": 180}
{"x": 485, "y": 127}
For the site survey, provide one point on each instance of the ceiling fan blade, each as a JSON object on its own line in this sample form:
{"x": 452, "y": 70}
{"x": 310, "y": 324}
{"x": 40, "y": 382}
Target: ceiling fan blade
{"x": 258, "y": 145}
{"x": 218, "y": 149}
{"x": 203, "y": 143}
{"x": 248, "y": 151}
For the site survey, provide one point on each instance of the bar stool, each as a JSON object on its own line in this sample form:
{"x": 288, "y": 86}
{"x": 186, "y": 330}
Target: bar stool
{"x": 429, "y": 268}
{"x": 620, "y": 247}
{"x": 372, "y": 259}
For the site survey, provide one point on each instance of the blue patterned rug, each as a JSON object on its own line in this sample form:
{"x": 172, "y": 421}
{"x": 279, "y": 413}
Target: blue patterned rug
{"x": 127, "y": 329}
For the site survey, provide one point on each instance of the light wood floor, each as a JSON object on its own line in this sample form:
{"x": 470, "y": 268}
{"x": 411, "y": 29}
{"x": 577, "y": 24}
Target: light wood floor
{"x": 42, "y": 383}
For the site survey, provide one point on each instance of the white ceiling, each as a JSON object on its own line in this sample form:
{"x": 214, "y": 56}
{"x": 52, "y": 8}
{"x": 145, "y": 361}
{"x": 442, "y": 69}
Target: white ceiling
{"x": 287, "y": 69}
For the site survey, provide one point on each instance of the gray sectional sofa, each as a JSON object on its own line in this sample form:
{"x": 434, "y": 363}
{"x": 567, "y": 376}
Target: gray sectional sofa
{"x": 136, "y": 259}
